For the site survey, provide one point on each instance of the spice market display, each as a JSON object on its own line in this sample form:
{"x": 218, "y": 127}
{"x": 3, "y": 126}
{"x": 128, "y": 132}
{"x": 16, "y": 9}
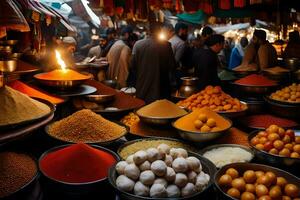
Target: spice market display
{"x": 149, "y": 99}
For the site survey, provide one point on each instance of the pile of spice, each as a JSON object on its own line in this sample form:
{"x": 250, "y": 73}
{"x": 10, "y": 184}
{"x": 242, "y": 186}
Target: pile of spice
{"x": 213, "y": 98}
{"x": 276, "y": 70}
{"x": 16, "y": 170}
{"x": 87, "y": 127}
{"x": 288, "y": 94}
{"x": 16, "y": 107}
{"x": 210, "y": 121}
{"x": 130, "y": 119}
{"x": 77, "y": 163}
{"x": 266, "y": 120}
{"x": 161, "y": 108}
{"x": 255, "y": 80}
{"x": 62, "y": 75}
{"x": 33, "y": 92}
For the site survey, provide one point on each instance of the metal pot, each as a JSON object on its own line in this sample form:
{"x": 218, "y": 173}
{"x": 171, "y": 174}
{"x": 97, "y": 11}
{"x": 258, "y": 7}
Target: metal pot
{"x": 292, "y": 63}
{"x": 8, "y": 65}
{"x": 188, "y": 86}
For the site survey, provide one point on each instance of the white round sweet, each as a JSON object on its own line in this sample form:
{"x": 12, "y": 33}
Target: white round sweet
{"x": 180, "y": 165}
{"x": 140, "y": 157}
{"x": 152, "y": 154}
{"x": 192, "y": 176}
{"x": 120, "y": 167}
{"x": 201, "y": 181}
{"x": 161, "y": 181}
{"x": 124, "y": 183}
{"x": 163, "y": 148}
{"x": 181, "y": 180}
{"x": 173, "y": 191}
{"x": 178, "y": 152}
{"x": 141, "y": 190}
{"x": 129, "y": 159}
{"x": 145, "y": 166}
{"x": 170, "y": 175}
{"x": 132, "y": 171}
{"x": 147, "y": 177}
{"x": 188, "y": 190}
{"x": 158, "y": 191}
{"x": 168, "y": 160}
{"x": 159, "y": 168}
{"x": 193, "y": 163}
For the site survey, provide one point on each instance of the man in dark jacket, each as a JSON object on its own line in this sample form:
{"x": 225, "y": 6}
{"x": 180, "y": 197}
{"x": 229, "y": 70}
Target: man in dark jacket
{"x": 205, "y": 61}
{"x": 152, "y": 64}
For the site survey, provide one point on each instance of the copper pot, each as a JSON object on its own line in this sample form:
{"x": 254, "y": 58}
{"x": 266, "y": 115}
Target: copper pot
{"x": 188, "y": 86}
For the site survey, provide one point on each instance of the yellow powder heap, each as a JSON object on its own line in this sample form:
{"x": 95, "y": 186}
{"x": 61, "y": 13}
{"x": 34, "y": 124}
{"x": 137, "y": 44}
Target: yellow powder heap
{"x": 60, "y": 75}
{"x": 16, "y": 107}
{"x": 161, "y": 108}
{"x": 86, "y": 126}
{"x": 187, "y": 122}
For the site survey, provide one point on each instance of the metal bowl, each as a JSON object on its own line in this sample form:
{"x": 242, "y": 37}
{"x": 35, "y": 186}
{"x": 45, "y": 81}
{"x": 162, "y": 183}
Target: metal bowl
{"x": 157, "y": 121}
{"x": 255, "y": 106}
{"x": 8, "y": 65}
{"x": 292, "y": 63}
{"x": 203, "y": 151}
{"x": 208, "y": 167}
{"x": 201, "y": 136}
{"x": 253, "y": 90}
{"x": 232, "y": 115}
{"x": 8, "y": 42}
{"x": 242, "y": 167}
{"x": 74, "y": 189}
{"x": 290, "y": 110}
{"x": 61, "y": 84}
{"x": 5, "y": 50}
{"x": 110, "y": 83}
{"x": 271, "y": 158}
{"x": 100, "y": 98}
{"x": 15, "y": 55}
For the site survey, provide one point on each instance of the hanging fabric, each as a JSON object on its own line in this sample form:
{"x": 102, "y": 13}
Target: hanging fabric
{"x": 239, "y": 3}
{"x": 190, "y": 5}
{"x": 255, "y": 2}
{"x": 206, "y": 6}
{"x": 178, "y": 6}
{"x": 224, "y": 4}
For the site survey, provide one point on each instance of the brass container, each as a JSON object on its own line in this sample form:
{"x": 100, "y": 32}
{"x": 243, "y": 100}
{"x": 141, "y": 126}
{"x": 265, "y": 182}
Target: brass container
{"x": 188, "y": 86}
{"x": 8, "y": 65}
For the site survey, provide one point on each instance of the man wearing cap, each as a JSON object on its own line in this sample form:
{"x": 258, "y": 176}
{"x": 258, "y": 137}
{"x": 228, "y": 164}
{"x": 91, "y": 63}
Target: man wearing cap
{"x": 97, "y": 50}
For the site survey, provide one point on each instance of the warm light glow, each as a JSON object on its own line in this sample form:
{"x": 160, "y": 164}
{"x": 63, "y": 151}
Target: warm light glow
{"x": 162, "y": 36}
{"x": 60, "y": 61}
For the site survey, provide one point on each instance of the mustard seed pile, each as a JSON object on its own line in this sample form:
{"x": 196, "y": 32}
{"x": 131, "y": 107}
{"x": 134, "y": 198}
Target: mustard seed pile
{"x": 87, "y": 127}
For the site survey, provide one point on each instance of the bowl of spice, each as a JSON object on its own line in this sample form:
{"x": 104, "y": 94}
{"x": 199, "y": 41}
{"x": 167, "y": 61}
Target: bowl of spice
{"x": 85, "y": 126}
{"x": 77, "y": 169}
{"x": 202, "y": 125}
{"x": 286, "y": 110}
{"x": 160, "y": 112}
{"x": 254, "y": 84}
{"x": 289, "y": 95}
{"x": 18, "y": 175}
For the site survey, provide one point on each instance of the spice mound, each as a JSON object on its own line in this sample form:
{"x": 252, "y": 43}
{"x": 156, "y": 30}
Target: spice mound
{"x": 275, "y": 140}
{"x": 77, "y": 163}
{"x": 16, "y": 170}
{"x": 255, "y": 80}
{"x": 202, "y": 120}
{"x": 16, "y": 107}
{"x": 161, "y": 109}
{"x": 87, "y": 127}
{"x": 213, "y": 98}
{"x": 226, "y": 155}
{"x": 62, "y": 75}
{"x": 276, "y": 70}
{"x": 130, "y": 119}
{"x": 288, "y": 94}
{"x": 160, "y": 172}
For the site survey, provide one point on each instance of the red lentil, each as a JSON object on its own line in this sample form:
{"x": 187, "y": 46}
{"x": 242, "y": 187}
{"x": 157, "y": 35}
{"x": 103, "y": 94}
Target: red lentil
{"x": 255, "y": 80}
{"x": 264, "y": 121}
{"x": 77, "y": 163}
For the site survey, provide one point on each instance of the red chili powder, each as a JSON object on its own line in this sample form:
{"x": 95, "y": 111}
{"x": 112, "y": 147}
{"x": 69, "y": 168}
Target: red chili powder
{"x": 78, "y": 163}
{"x": 264, "y": 121}
{"x": 255, "y": 80}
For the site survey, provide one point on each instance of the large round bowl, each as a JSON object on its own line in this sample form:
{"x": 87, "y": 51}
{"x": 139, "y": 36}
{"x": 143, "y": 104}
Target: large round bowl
{"x": 242, "y": 167}
{"x": 157, "y": 121}
{"x": 232, "y": 115}
{"x": 194, "y": 136}
{"x": 61, "y": 84}
{"x": 283, "y": 109}
{"x": 271, "y": 158}
{"x": 100, "y": 98}
{"x": 8, "y": 65}
{"x": 75, "y": 189}
{"x": 253, "y": 90}
{"x": 208, "y": 167}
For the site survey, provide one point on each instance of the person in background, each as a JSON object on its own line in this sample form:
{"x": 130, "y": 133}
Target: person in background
{"x": 111, "y": 34}
{"x": 292, "y": 49}
{"x": 237, "y": 53}
{"x": 205, "y": 61}
{"x": 205, "y": 34}
{"x": 152, "y": 63}
{"x": 97, "y": 50}
{"x": 266, "y": 55}
{"x": 119, "y": 57}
